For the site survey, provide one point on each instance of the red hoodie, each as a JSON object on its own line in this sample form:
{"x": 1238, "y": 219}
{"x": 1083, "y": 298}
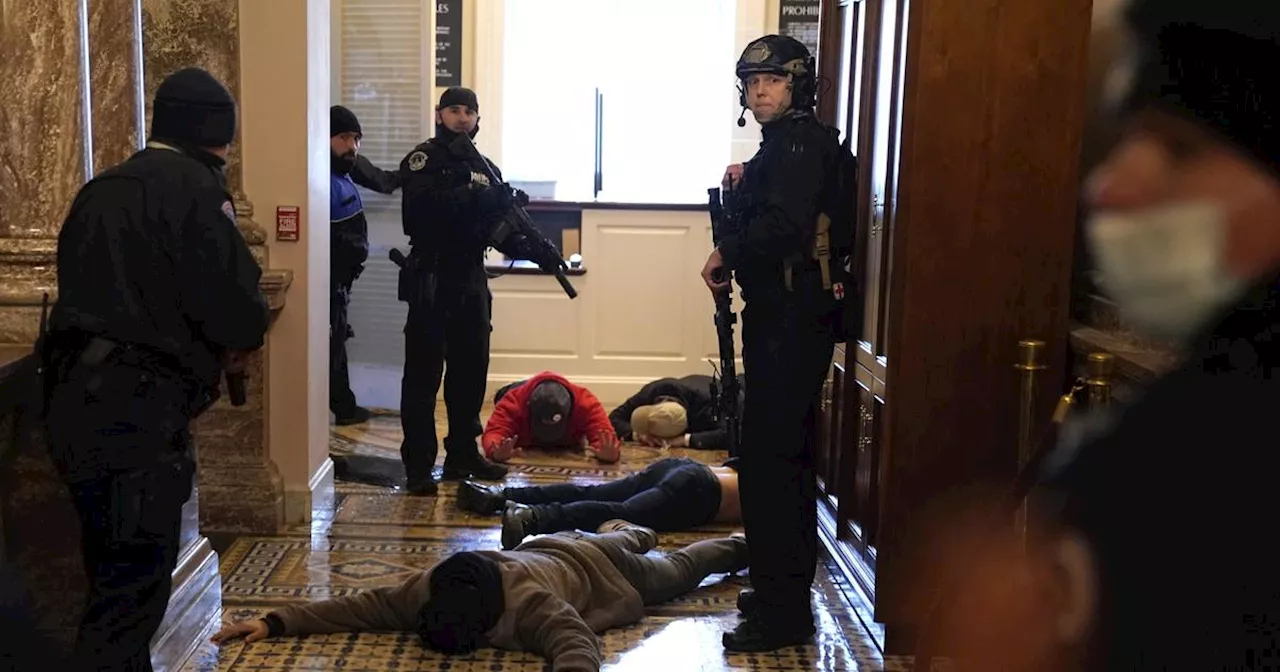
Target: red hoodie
{"x": 511, "y": 416}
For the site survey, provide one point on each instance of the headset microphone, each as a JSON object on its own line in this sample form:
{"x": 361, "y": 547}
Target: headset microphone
{"x": 742, "y": 122}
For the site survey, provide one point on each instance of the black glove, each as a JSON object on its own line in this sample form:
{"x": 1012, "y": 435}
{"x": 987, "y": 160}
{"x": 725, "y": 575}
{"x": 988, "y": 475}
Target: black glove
{"x": 521, "y": 197}
{"x": 494, "y": 199}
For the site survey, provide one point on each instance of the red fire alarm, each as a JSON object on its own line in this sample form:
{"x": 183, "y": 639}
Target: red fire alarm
{"x": 288, "y": 218}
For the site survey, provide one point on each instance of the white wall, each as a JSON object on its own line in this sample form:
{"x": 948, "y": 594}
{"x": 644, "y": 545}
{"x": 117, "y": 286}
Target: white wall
{"x": 642, "y": 311}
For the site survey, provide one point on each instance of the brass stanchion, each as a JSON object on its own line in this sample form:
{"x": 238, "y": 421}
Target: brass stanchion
{"x": 1098, "y": 369}
{"x": 1030, "y": 352}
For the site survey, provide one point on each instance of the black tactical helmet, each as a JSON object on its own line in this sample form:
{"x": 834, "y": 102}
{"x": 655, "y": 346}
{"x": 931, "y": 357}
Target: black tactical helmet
{"x": 781, "y": 55}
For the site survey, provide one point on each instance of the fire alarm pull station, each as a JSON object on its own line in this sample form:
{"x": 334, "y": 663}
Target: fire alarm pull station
{"x": 288, "y": 218}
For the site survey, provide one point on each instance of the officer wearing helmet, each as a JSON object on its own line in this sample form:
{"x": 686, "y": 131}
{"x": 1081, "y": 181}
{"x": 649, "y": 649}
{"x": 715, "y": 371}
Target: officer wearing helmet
{"x": 448, "y": 204}
{"x": 787, "y": 343}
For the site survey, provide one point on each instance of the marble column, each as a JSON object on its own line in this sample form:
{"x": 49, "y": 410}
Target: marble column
{"x": 83, "y": 72}
{"x": 240, "y": 487}
{"x": 43, "y": 156}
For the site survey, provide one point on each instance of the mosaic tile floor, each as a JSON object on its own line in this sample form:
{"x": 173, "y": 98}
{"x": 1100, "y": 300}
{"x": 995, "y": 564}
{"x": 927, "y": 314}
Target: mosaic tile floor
{"x": 377, "y": 536}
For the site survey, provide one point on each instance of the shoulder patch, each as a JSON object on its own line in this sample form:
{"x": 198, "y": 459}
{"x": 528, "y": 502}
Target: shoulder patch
{"x": 417, "y": 160}
{"x": 229, "y": 210}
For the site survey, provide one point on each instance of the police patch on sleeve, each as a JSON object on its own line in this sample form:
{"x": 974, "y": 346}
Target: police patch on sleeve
{"x": 229, "y": 210}
{"x": 417, "y": 160}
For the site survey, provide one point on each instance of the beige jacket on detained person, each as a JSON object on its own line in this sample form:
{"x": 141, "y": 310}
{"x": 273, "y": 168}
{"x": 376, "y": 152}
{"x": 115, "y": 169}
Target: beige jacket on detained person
{"x": 558, "y": 593}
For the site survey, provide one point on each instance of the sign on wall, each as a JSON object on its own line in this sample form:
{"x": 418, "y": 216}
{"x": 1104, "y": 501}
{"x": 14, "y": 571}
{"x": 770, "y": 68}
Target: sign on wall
{"x": 800, "y": 19}
{"x": 449, "y": 43}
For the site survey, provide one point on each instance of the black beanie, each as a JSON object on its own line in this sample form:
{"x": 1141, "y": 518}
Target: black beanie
{"x": 458, "y": 95}
{"x": 342, "y": 120}
{"x": 466, "y": 601}
{"x": 193, "y": 107}
{"x": 1212, "y": 63}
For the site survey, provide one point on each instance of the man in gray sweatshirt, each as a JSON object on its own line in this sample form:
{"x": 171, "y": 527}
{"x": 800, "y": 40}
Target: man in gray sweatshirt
{"x": 551, "y": 595}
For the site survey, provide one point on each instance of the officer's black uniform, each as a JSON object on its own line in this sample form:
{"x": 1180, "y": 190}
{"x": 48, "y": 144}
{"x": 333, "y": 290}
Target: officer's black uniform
{"x": 155, "y": 285}
{"x": 348, "y": 250}
{"x": 786, "y": 347}
{"x": 448, "y": 207}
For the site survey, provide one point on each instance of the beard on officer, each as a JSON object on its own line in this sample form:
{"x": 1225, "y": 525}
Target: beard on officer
{"x": 778, "y": 197}
{"x": 449, "y": 204}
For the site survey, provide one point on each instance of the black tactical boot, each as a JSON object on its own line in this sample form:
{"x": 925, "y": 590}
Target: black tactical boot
{"x": 754, "y": 635}
{"x": 472, "y": 466}
{"x": 422, "y": 487}
{"x": 354, "y": 416}
{"x": 518, "y": 522}
{"x": 479, "y": 498}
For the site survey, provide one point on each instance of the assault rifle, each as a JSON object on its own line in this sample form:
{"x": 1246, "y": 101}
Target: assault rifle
{"x": 724, "y": 397}
{"x": 516, "y": 221}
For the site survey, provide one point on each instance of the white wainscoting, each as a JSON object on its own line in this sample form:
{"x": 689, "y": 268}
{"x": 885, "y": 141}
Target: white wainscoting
{"x": 642, "y": 313}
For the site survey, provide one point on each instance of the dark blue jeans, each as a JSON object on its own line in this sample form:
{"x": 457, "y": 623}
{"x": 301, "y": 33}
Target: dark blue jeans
{"x": 668, "y": 496}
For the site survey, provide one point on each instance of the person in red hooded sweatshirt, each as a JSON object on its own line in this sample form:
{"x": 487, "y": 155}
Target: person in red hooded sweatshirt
{"x": 548, "y": 411}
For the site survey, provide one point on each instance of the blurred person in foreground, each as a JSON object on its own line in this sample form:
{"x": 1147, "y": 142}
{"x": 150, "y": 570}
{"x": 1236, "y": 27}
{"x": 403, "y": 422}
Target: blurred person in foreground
{"x": 1185, "y": 227}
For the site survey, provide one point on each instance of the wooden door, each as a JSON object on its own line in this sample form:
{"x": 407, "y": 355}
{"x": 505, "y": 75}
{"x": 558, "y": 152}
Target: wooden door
{"x": 967, "y": 120}
{"x": 848, "y": 459}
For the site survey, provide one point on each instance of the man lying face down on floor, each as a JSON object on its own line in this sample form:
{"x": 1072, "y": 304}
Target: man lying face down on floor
{"x": 669, "y": 495}
{"x": 551, "y": 595}
{"x": 667, "y": 412}
{"x": 548, "y": 411}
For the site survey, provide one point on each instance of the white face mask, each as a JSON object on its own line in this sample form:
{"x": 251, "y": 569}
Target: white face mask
{"x": 1163, "y": 266}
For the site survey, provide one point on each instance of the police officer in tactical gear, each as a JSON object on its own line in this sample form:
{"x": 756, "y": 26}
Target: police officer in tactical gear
{"x": 158, "y": 296}
{"x": 449, "y": 206}
{"x": 348, "y": 248}
{"x": 787, "y": 341}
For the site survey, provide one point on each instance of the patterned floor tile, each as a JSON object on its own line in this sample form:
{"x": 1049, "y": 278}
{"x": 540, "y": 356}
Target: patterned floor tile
{"x": 380, "y": 536}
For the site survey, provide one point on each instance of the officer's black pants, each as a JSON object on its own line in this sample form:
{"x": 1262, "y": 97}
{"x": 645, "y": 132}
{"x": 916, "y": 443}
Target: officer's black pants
{"x": 342, "y": 401}
{"x": 786, "y": 354}
{"x": 444, "y": 338}
{"x": 129, "y": 527}
{"x": 120, "y": 438}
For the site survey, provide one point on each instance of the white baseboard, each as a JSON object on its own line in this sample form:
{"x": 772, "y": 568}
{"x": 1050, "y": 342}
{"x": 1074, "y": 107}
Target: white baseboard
{"x": 299, "y": 505}
{"x": 379, "y": 386}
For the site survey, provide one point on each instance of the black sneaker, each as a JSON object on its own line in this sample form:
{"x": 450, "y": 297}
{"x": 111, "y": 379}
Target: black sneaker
{"x": 422, "y": 487}
{"x": 518, "y": 522}
{"x": 479, "y": 469}
{"x": 356, "y": 416}
{"x": 479, "y": 498}
{"x": 754, "y": 635}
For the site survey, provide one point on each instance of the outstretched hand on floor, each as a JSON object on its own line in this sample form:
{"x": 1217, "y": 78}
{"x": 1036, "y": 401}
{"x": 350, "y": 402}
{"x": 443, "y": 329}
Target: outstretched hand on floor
{"x": 610, "y": 449}
{"x": 506, "y": 449}
{"x": 252, "y": 631}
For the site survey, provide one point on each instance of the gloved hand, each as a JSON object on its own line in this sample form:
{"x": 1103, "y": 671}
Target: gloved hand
{"x": 521, "y": 197}
{"x": 496, "y": 198}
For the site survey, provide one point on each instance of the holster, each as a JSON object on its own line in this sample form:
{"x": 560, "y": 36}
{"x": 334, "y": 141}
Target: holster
{"x": 841, "y": 287}
{"x": 416, "y": 284}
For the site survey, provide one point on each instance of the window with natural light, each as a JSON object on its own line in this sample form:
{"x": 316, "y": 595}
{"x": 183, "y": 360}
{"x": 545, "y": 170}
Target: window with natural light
{"x": 617, "y": 100}
{"x": 384, "y": 83}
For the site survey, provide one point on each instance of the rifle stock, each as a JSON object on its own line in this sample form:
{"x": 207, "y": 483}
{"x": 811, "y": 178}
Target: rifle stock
{"x": 516, "y": 221}
{"x": 725, "y": 396}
